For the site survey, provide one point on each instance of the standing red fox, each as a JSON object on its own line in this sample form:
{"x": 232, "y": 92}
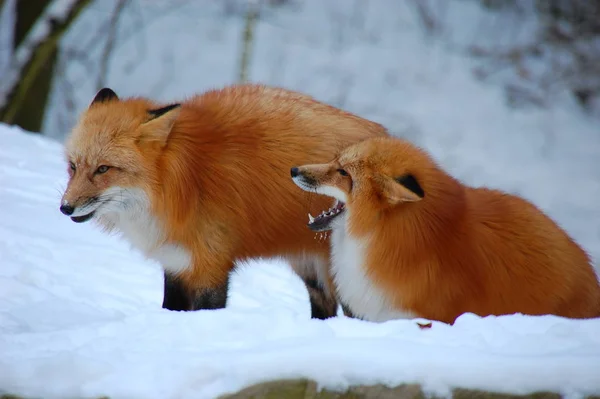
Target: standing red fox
{"x": 200, "y": 185}
{"x": 409, "y": 240}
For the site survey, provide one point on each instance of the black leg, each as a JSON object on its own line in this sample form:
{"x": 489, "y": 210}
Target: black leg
{"x": 322, "y": 305}
{"x": 175, "y": 296}
{"x": 347, "y": 311}
{"x": 211, "y": 298}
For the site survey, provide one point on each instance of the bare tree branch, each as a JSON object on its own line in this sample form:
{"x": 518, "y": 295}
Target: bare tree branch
{"x": 251, "y": 17}
{"x": 110, "y": 43}
{"x": 425, "y": 13}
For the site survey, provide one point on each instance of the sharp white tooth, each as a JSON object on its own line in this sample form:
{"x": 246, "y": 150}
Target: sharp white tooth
{"x": 310, "y": 218}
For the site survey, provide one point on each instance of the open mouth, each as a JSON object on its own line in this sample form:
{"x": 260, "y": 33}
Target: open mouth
{"x": 323, "y": 221}
{"x": 84, "y": 218}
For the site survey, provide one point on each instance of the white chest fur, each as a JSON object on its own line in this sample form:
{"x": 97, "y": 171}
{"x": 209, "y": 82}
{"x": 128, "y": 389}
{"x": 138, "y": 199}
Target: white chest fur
{"x": 354, "y": 287}
{"x": 130, "y": 216}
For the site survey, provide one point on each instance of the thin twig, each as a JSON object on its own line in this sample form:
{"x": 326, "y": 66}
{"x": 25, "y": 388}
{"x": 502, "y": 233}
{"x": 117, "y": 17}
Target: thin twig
{"x": 110, "y": 43}
{"x": 248, "y": 38}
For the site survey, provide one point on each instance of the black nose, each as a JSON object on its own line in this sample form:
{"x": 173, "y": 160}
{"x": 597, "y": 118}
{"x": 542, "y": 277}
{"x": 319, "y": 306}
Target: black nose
{"x": 67, "y": 209}
{"x": 295, "y": 171}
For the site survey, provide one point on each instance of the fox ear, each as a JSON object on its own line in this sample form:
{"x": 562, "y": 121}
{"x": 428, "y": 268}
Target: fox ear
{"x": 404, "y": 188}
{"x": 161, "y": 121}
{"x": 104, "y": 95}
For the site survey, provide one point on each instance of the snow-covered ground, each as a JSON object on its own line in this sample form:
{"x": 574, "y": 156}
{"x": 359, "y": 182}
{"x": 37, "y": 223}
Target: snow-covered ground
{"x": 80, "y": 316}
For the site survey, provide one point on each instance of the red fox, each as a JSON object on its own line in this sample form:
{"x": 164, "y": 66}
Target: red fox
{"x": 408, "y": 240}
{"x": 201, "y": 184}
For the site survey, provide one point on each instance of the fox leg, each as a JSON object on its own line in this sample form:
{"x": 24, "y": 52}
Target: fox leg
{"x": 178, "y": 297}
{"x": 321, "y": 293}
{"x": 175, "y": 295}
{"x": 322, "y": 304}
{"x": 204, "y": 284}
{"x": 347, "y": 311}
{"x": 213, "y": 297}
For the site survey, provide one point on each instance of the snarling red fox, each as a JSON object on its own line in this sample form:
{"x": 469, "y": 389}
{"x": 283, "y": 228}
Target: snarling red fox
{"x": 202, "y": 184}
{"x": 409, "y": 240}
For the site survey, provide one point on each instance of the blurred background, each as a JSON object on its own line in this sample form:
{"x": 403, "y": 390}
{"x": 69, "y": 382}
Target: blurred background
{"x": 504, "y": 93}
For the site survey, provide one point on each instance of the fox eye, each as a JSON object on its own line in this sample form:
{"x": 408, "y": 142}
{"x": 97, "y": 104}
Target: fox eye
{"x": 72, "y": 166}
{"x": 102, "y": 169}
{"x": 342, "y": 172}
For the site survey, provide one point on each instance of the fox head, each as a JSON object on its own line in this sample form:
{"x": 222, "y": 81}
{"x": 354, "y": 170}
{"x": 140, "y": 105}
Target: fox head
{"x": 112, "y": 152}
{"x": 373, "y": 175}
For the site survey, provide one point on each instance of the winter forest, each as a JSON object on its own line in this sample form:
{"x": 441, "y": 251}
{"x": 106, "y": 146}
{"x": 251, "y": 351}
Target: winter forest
{"x": 501, "y": 93}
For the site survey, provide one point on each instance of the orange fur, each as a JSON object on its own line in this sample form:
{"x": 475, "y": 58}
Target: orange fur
{"x": 215, "y": 170}
{"x": 456, "y": 249}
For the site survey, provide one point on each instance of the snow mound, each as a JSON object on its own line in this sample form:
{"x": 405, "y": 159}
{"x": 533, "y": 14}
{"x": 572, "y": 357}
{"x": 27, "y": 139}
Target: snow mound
{"x": 80, "y": 316}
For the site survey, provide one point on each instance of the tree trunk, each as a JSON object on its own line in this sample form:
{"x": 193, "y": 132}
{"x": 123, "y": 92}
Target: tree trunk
{"x": 27, "y": 100}
{"x": 31, "y": 113}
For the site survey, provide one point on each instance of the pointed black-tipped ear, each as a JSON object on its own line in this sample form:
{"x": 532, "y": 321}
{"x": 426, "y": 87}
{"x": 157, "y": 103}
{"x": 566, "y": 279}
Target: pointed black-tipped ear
{"x": 158, "y": 127}
{"x": 411, "y": 183}
{"x": 155, "y": 113}
{"x": 104, "y": 95}
{"x": 404, "y": 188}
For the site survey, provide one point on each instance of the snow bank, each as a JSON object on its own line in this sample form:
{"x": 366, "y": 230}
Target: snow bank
{"x": 80, "y": 316}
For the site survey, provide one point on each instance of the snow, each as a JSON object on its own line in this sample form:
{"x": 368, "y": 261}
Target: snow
{"x": 80, "y": 316}
{"x": 80, "y": 312}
